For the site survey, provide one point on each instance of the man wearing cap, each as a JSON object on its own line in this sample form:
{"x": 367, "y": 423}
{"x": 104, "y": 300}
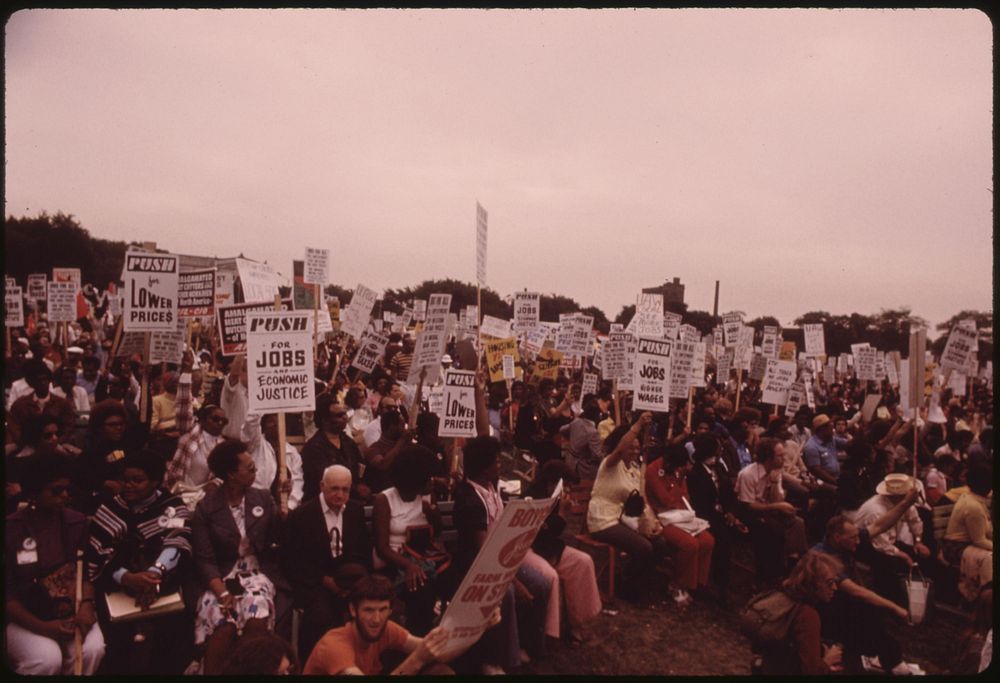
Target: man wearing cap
{"x": 892, "y": 557}
{"x": 820, "y": 451}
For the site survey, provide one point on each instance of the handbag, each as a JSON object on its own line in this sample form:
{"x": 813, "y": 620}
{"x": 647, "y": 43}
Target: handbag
{"x": 53, "y": 596}
{"x": 421, "y": 548}
{"x": 917, "y": 591}
{"x": 632, "y": 510}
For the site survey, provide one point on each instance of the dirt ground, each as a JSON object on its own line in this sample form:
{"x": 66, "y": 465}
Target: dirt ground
{"x": 705, "y": 639}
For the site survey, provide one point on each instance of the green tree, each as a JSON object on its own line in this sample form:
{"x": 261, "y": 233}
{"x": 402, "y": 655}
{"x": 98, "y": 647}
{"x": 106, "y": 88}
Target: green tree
{"x": 703, "y": 320}
{"x": 625, "y": 316}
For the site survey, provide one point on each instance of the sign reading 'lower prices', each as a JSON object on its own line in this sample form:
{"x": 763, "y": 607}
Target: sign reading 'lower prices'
{"x": 459, "y": 404}
{"x": 150, "y": 292}
{"x": 280, "y": 362}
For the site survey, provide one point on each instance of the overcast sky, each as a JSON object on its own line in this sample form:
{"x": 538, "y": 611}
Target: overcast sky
{"x": 809, "y": 159}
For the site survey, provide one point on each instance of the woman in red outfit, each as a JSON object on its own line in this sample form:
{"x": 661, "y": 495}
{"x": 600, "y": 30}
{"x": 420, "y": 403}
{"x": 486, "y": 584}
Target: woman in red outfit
{"x": 666, "y": 490}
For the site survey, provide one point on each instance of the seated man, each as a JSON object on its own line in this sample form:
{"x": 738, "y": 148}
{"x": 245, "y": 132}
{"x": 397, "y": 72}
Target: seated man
{"x": 328, "y": 549}
{"x": 855, "y": 616}
{"x": 41, "y": 401}
{"x": 820, "y": 451}
{"x": 778, "y": 534}
{"x": 367, "y": 645}
{"x": 899, "y": 547}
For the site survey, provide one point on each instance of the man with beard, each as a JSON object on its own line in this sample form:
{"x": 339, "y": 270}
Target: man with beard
{"x": 367, "y": 644}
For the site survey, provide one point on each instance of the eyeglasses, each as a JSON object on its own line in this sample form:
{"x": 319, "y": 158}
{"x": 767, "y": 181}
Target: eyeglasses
{"x": 221, "y": 419}
{"x": 50, "y": 435}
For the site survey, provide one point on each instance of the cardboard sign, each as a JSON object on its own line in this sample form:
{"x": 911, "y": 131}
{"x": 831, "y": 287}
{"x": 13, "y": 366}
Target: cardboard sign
{"x": 779, "y": 375}
{"x": 627, "y": 381}
{"x": 355, "y": 319}
{"x": 681, "y": 363}
{"x": 652, "y": 375}
{"x": 583, "y": 325}
{"x": 698, "y": 365}
{"x": 494, "y": 327}
{"x": 732, "y": 323}
{"x": 459, "y": 404}
{"x": 233, "y": 324}
{"x": 481, "y": 217}
{"x": 615, "y": 364}
{"x": 68, "y": 275}
{"x": 13, "y": 307}
{"x": 961, "y": 343}
{"x": 758, "y": 367}
{"x": 258, "y": 280}
{"x": 744, "y": 348}
{"x": 724, "y": 362}
{"x": 787, "y": 351}
{"x": 167, "y": 346}
{"x": 564, "y": 337}
{"x": 796, "y": 395}
{"x": 225, "y": 288}
{"x": 196, "y": 293}
{"x": 496, "y": 349}
{"x": 370, "y": 349}
{"x": 671, "y": 325}
{"x": 280, "y": 362}
{"x": 589, "y": 385}
{"x": 546, "y": 365}
{"x": 61, "y": 301}
{"x": 433, "y": 335}
{"x": 508, "y": 541}
{"x": 36, "y": 286}
{"x": 151, "y": 282}
{"x": 420, "y": 310}
{"x": 536, "y": 340}
{"x": 317, "y": 270}
{"x": 769, "y": 343}
{"x": 508, "y": 367}
{"x": 864, "y": 362}
{"x": 527, "y": 311}
{"x": 648, "y": 319}
{"x": 815, "y": 342}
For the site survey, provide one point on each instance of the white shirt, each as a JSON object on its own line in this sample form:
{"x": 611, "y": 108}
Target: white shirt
{"x": 373, "y": 432}
{"x": 755, "y": 485}
{"x": 402, "y": 515}
{"x": 80, "y": 401}
{"x": 334, "y": 520}
{"x": 908, "y": 528}
{"x": 234, "y": 402}
{"x": 266, "y": 460}
{"x": 18, "y": 389}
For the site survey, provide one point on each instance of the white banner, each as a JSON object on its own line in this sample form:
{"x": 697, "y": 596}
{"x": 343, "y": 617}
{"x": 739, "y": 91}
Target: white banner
{"x": 258, "y": 280}
{"x": 652, "y": 375}
{"x": 317, "y": 267}
{"x": 355, "y": 318}
{"x": 280, "y": 362}
{"x": 815, "y": 341}
{"x": 459, "y": 417}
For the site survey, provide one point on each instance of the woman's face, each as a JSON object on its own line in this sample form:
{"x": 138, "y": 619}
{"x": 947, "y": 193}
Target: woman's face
{"x": 245, "y": 472}
{"x": 215, "y": 421}
{"x": 826, "y": 585}
{"x": 113, "y": 428}
{"x": 632, "y": 452}
{"x": 136, "y": 485}
{"x": 54, "y": 495}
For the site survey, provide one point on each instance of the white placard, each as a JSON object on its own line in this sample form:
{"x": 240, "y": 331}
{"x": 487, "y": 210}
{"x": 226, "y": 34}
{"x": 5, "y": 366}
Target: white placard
{"x": 681, "y": 363}
{"x": 732, "y": 323}
{"x": 880, "y": 373}
{"x": 61, "y": 302}
{"x": 459, "y": 417}
{"x": 36, "y": 286}
{"x": 892, "y": 367}
{"x": 961, "y": 343}
{"x": 698, "y": 365}
{"x": 536, "y": 340}
{"x": 583, "y": 325}
{"x": 627, "y": 381}
{"x": 167, "y": 346}
{"x": 481, "y": 217}
{"x": 420, "y": 310}
{"x": 724, "y": 364}
{"x": 815, "y": 341}
{"x": 779, "y": 375}
{"x": 615, "y": 364}
{"x": 150, "y": 292}
{"x": 671, "y": 325}
{"x": 796, "y": 395}
{"x": 652, "y": 374}
{"x": 317, "y": 267}
{"x": 258, "y": 280}
{"x": 527, "y": 309}
{"x": 494, "y": 327}
{"x": 648, "y": 319}
{"x": 865, "y": 359}
{"x": 13, "y": 307}
{"x": 225, "y": 288}
{"x": 433, "y": 336}
{"x": 371, "y": 347}
{"x": 758, "y": 366}
{"x": 355, "y": 317}
{"x": 589, "y": 385}
{"x": 508, "y": 366}
{"x": 769, "y": 345}
{"x": 280, "y": 362}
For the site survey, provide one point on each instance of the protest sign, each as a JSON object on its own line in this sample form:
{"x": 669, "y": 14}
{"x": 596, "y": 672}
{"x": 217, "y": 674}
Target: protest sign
{"x": 536, "y": 340}
{"x": 13, "y": 307}
{"x": 589, "y": 385}
{"x": 718, "y": 338}
{"x": 672, "y": 325}
{"x": 724, "y": 364}
{"x": 864, "y": 362}
{"x": 167, "y": 346}
{"x": 494, "y": 327}
{"x": 796, "y": 395}
{"x": 957, "y": 383}
{"x": 779, "y": 375}
{"x": 303, "y": 295}
{"x": 435, "y": 400}
{"x": 758, "y": 366}
{"x": 150, "y": 292}
{"x": 68, "y": 275}
{"x": 617, "y": 327}
{"x": 527, "y": 309}
{"x": 744, "y": 348}
{"x": 9, "y": 282}
{"x": 481, "y": 217}
{"x": 787, "y": 351}
{"x": 769, "y": 343}
{"x": 508, "y": 541}
{"x": 627, "y": 381}
{"x": 258, "y": 281}
{"x": 564, "y": 337}
{"x": 843, "y": 361}
{"x": 582, "y": 327}
{"x": 280, "y": 362}
{"x": 431, "y": 341}
{"x": 614, "y": 351}
{"x": 496, "y": 349}
{"x": 681, "y": 363}
{"x": 196, "y": 293}
{"x": 732, "y": 323}
{"x": 225, "y": 288}
{"x": 317, "y": 270}
{"x": 961, "y": 343}
{"x": 652, "y": 374}
{"x": 892, "y": 367}
{"x": 459, "y": 404}
{"x": 807, "y": 383}
{"x": 420, "y": 310}
{"x": 508, "y": 367}
{"x": 648, "y": 318}
{"x": 546, "y": 365}
{"x": 130, "y": 344}
{"x": 355, "y": 319}
{"x": 233, "y": 324}
{"x": 879, "y": 365}
{"x": 830, "y": 372}
{"x": 815, "y": 342}
{"x": 371, "y": 347}
{"x": 689, "y": 334}
{"x": 698, "y": 365}
{"x": 36, "y": 286}
{"x": 61, "y": 301}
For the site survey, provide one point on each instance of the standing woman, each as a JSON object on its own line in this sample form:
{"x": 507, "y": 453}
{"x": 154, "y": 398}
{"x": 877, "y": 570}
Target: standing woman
{"x": 233, "y": 529}
{"x": 618, "y": 475}
{"x": 40, "y": 556}
{"x": 667, "y": 491}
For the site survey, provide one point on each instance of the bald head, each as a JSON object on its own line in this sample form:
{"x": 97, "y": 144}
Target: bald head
{"x": 335, "y": 487}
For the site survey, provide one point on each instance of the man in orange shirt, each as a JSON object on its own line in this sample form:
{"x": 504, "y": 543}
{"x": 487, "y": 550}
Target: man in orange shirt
{"x": 362, "y": 646}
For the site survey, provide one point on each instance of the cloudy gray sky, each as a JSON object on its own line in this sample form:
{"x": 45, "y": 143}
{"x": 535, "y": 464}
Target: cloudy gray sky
{"x": 808, "y": 159}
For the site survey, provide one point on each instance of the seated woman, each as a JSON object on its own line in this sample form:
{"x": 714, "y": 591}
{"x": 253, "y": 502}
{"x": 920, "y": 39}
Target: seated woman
{"x": 39, "y": 434}
{"x": 813, "y": 581}
{"x": 666, "y": 490}
{"x": 618, "y": 475}
{"x": 41, "y": 549}
{"x": 233, "y": 529}
{"x": 100, "y": 465}
{"x": 574, "y": 567}
{"x": 140, "y": 544}
{"x": 396, "y": 510}
{"x": 968, "y": 541}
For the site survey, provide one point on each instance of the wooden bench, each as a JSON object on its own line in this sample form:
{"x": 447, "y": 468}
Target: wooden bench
{"x": 448, "y": 536}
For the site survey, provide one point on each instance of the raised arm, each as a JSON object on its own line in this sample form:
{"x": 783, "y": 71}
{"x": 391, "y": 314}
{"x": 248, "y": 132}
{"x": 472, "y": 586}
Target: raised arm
{"x": 615, "y": 456}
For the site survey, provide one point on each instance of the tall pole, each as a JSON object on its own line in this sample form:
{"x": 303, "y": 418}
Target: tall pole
{"x": 715, "y": 307}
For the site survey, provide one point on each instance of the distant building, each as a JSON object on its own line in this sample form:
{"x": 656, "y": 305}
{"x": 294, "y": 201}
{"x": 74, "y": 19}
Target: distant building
{"x": 673, "y": 292}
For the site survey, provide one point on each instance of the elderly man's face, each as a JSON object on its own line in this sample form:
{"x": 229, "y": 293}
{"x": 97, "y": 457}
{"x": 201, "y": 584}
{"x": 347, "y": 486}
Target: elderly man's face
{"x": 336, "y": 489}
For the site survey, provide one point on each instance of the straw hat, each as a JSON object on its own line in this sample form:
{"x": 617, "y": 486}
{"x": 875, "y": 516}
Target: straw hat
{"x": 820, "y": 420}
{"x": 894, "y": 485}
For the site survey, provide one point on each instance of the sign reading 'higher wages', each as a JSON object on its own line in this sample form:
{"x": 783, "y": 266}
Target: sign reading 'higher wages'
{"x": 280, "y": 361}
{"x": 652, "y": 375}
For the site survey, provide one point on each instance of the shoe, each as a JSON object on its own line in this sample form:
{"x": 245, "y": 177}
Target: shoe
{"x": 907, "y": 669}
{"x": 493, "y": 670}
{"x": 681, "y": 598}
{"x": 871, "y": 664}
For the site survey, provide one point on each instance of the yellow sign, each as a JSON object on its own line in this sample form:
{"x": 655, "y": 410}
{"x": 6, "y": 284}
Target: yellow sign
{"x": 496, "y": 349}
{"x": 546, "y": 365}
{"x": 787, "y": 351}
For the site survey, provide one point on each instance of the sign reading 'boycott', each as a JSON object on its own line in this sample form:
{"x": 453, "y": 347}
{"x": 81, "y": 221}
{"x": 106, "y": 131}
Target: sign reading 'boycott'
{"x": 459, "y": 404}
{"x": 280, "y": 362}
{"x": 150, "y": 292}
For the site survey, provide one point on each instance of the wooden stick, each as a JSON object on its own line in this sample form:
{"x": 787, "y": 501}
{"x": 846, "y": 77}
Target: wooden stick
{"x": 282, "y": 438}
{"x": 690, "y": 405}
{"x": 7, "y": 350}
{"x": 78, "y": 634}
{"x": 618, "y": 402}
{"x": 114, "y": 344}
{"x": 510, "y": 408}
{"x": 144, "y": 389}
{"x": 739, "y": 386}
{"x": 415, "y": 406}
{"x": 317, "y": 293}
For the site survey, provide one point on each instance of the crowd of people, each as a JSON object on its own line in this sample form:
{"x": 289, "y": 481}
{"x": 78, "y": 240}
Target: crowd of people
{"x": 199, "y": 555}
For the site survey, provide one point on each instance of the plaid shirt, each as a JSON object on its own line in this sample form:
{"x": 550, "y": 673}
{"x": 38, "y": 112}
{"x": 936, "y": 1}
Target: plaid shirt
{"x": 192, "y": 441}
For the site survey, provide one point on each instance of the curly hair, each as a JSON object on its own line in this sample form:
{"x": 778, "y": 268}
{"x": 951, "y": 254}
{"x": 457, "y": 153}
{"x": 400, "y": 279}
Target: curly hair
{"x": 225, "y": 457}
